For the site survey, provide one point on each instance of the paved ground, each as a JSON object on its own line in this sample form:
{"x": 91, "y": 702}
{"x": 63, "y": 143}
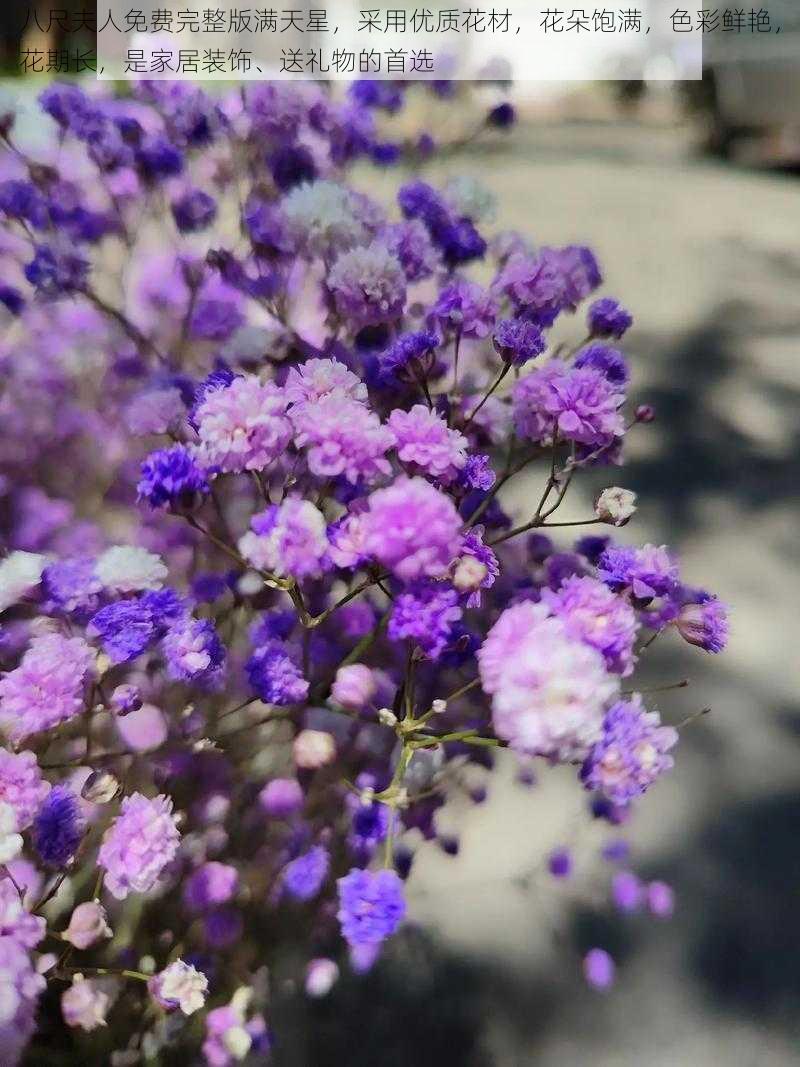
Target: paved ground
{"x": 707, "y": 256}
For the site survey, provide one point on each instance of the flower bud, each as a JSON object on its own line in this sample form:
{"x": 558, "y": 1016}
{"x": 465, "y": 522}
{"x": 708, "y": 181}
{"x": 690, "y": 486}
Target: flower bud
{"x": 354, "y": 686}
{"x": 321, "y": 976}
{"x": 313, "y": 749}
{"x": 125, "y": 699}
{"x": 100, "y": 787}
{"x": 87, "y": 925}
{"x": 615, "y": 506}
{"x": 281, "y": 797}
{"x": 84, "y": 1004}
{"x": 645, "y": 413}
{"x": 468, "y": 574}
{"x": 387, "y": 717}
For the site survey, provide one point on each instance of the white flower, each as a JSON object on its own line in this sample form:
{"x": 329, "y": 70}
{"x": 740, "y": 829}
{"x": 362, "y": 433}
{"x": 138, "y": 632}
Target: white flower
{"x": 180, "y": 985}
{"x": 469, "y": 197}
{"x": 615, "y": 506}
{"x": 19, "y": 573}
{"x": 128, "y": 568}
{"x": 84, "y": 1004}
{"x": 10, "y": 840}
{"x": 324, "y": 215}
{"x": 313, "y": 749}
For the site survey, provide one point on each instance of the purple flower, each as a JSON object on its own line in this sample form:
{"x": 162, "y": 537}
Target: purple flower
{"x": 194, "y": 653}
{"x": 304, "y": 877}
{"x": 58, "y": 827}
{"x": 138, "y": 845}
{"x": 554, "y": 281}
{"x": 282, "y": 797}
{"x": 600, "y": 618}
{"x": 55, "y": 271}
{"x": 599, "y": 969}
{"x": 608, "y": 318}
{"x": 478, "y": 473}
{"x": 502, "y": 116}
{"x": 126, "y": 629}
{"x": 413, "y": 529}
{"x": 210, "y": 884}
{"x": 409, "y": 358}
{"x": 170, "y": 477}
{"x": 411, "y": 244}
{"x": 476, "y": 567}
{"x": 291, "y": 165}
{"x": 631, "y": 753}
{"x": 465, "y": 308}
{"x": 371, "y": 906}
{"x": 72, "y": 586}
{"x": 274, "y": 675}
{"x": 368, "y": 285}
{"x": 425, "y": 613}
{"x": 572, "y": 404}
{"x": 517, "y": 341}
{"x": 647, "y": 572}
{"x": 611, "y": 364}
{"x": 194, "y": 210}
{"x": 427, "y": 445}
{"x": 159, "y": 158}
{"x": 703, "y": 621}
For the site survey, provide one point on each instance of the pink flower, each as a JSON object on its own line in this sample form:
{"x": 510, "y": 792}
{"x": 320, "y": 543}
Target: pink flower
{"x": 243, "y": 426}
{"x": 317, "y": 378}
{"x": 288, "y": 540}
{"x": 344, "y": 439}
{"x": 138, "y": 845}
{"x": 354, "y": 686}
{"x": 413, "y": 529}
{"x": 87, "y": 925}
{"x": 84, "y": 1004}
{"x": 179, "y": 986}
{"x": 549, "y": 693}
{"x": 21, "y": 785}
{"x": 47, "y": 688}
{"x": 578, "y": 405}
{"x": 425, "y": 441}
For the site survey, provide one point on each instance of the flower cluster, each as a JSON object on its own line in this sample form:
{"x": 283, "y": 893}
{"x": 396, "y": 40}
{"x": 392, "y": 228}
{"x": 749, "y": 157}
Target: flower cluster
{"x": 267, "y": 630}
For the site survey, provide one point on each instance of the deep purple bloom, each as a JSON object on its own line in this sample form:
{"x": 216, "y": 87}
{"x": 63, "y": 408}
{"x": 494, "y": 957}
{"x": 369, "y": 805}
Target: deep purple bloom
{"x": 72, "y": 586}
{"x": 425, "y": 614}
{"x": 159, "y": 158}
{"x": 648, "y": 571}
{"x": 22, "y": 200}
{"x": 275, "y": 676}
{"x": 610, "y": 362}
{"x": 12, "y": 299}
{"x": 410, "y": 355}
{"x": 171, "y": 478}
{"x": 559, "y": 863}
{"x": 517, "y": 341}
{"x": 371, "y": 906}
{"x": 291, "y": 165}
{"x": 194, "y": 210}
{"x": 58, "y": 827}
{"x": 125, "y": 629}
{"x": 55, "y": 271}
{"x": 304, "y": 877}
{"x": 502, "y": 116}
{"x": 608, "y": 318}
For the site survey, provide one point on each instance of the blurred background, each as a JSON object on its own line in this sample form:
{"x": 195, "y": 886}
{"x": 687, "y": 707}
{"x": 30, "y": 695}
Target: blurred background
{"x": 689, "y": 194}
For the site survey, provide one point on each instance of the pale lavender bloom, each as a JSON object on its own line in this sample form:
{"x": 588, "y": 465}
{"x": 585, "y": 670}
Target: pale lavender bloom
{"x": 317, "y": 378}
{"x": 549, "y": 693}
{"x": 368, "y": 285}
{"x": 413, "y": 529}
{"x": 465, "y": 308}
{"x": 87, "y": 925}
{"x": 243, "y": 426}
{"x": 138, "y": 845}
{"x": 593, "y": 614}
{"x": 288, "y": 540}
{"x": 47, "y": 688}
{"x": 354, "y": 686}
{"x": 194, "y": 653}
